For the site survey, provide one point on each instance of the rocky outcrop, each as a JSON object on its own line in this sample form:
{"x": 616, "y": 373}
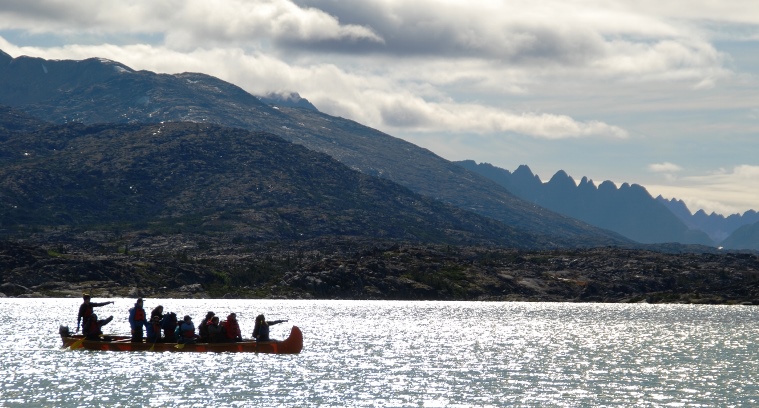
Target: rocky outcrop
{"x": 192, "y": 267}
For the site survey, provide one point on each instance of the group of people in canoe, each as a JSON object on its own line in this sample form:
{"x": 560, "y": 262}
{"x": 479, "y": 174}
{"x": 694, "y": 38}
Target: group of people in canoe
{"x": 160, "y": 327}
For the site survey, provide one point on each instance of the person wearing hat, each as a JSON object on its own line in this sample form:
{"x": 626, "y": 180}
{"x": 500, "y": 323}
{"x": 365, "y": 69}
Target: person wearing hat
{"x": 85, "y": 310}
{"x": 203, "y": 327}
{"x": 187, "y": 331}
{"x": 137, "y": 320}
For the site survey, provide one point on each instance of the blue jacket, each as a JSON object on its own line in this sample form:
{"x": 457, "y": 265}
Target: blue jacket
{"x": 134, "y": 320}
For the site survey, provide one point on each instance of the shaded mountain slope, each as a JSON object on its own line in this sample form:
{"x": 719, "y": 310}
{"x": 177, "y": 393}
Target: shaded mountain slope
{"x": 201, "y": 178}
{"x": 12, "y": 120}
{"x": 717, "y": 226}
{"x": 745, "y": 237}
{"x": 96, "y": 90}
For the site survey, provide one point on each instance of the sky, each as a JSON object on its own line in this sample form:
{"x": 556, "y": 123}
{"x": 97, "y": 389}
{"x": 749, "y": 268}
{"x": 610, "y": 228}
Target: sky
{"x": 658, "y": 93}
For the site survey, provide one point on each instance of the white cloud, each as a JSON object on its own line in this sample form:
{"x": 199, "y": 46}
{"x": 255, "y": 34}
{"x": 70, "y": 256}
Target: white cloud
{"x": 614, "y": 41}
{"x": 416, "y": 114}
{"x": 664, "y": 167}
{"x": 185, "y": 24}
{"x": 585, "y": 72}
{"x": 722, "y": 191}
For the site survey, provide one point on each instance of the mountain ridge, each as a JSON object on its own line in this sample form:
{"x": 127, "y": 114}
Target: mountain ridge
{"x": 730, "y": 232}
{"x": 120, "y": 95}
{"x": 628, "y": 210}
{"x": 717, "y": 226}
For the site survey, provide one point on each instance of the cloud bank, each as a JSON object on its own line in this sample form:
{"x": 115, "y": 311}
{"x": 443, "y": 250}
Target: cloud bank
{"x": 610, "y": 75}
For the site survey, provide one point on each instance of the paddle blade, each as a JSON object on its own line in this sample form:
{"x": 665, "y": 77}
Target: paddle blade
{"x": 77, "y": 344}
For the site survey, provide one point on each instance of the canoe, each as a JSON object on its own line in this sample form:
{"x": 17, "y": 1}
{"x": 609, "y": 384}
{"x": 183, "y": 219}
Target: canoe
{"x": 293, "y": 344}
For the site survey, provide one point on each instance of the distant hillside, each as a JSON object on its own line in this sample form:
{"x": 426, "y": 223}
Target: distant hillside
{"x": 102, "y": 91}
{"x": 745, "y": 237}
{"x": 202, "y": 178}
{"x": 717, "y": 226}
{"x": 12, "y": 120}
{"x": 628, "y": 210}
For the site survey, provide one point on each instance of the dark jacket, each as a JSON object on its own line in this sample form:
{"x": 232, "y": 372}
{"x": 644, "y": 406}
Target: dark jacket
{"x": 93, "y": 328}
{"x": 216, "y": 333}
{"x": 169, "y": 324}
{"x": 85, "y": 310}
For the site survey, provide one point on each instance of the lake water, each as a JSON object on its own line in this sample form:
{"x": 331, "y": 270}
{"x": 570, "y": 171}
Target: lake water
{"x": 399, "y": 354}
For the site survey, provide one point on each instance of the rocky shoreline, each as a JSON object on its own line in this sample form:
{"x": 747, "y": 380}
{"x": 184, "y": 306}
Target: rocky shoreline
{"x": 185, "y": 267}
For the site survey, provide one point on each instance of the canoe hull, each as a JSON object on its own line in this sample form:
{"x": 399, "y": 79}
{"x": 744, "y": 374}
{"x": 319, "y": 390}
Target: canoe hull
{"x": 293, "y": 344}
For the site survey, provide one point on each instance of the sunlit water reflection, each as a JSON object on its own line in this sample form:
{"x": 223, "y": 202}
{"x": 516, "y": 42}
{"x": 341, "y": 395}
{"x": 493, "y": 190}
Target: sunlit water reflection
{"x": 366, "y": 353}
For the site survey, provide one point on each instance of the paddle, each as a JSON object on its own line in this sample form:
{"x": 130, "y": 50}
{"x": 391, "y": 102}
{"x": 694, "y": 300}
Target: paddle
{"x": 156, "y": 336}
{"x": 77, "y": 344}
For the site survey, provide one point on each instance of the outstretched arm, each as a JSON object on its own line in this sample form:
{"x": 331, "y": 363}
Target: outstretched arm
{"x": 275, "y": 322}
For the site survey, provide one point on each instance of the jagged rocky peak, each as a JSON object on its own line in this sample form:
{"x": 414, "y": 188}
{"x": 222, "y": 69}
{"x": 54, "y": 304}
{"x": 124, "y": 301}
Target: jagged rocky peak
{"x": 586, "y": 183}
{"x": 678, "y": 206}
{"x": 289, "y": 99}
{"x": 635, "y": 190}
{"x": 523, "y": 171}
{"x": 561, "y": 178}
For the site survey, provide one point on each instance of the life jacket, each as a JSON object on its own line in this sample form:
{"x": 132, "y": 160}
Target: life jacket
{"x": 139, "y": 314}
{"x": 232, "y": 329}
{"x": 187, "y": 330}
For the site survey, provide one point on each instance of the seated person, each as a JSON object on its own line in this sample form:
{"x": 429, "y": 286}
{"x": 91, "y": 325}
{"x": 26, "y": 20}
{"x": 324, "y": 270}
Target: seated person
{"x": 187, "y": 331}
{"x": 232, "y": 328}
{"x": 203, "y": 328}
{"x": 169, "y": 325}
{"x": 154, "y": 329}
{"x": 216, "y": 331}
{"x": 93, "y": 328}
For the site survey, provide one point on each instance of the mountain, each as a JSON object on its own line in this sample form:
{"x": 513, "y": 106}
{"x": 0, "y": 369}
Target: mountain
{"x": 628, "y": 210}
{"x": 203, "y": 178}
{"x": 717, "y": 226}
{"x": 99, "y": 91}
{"x": 745, "y": 237}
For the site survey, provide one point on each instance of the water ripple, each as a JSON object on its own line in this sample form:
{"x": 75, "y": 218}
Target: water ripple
{"x": 400, "y": 354}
